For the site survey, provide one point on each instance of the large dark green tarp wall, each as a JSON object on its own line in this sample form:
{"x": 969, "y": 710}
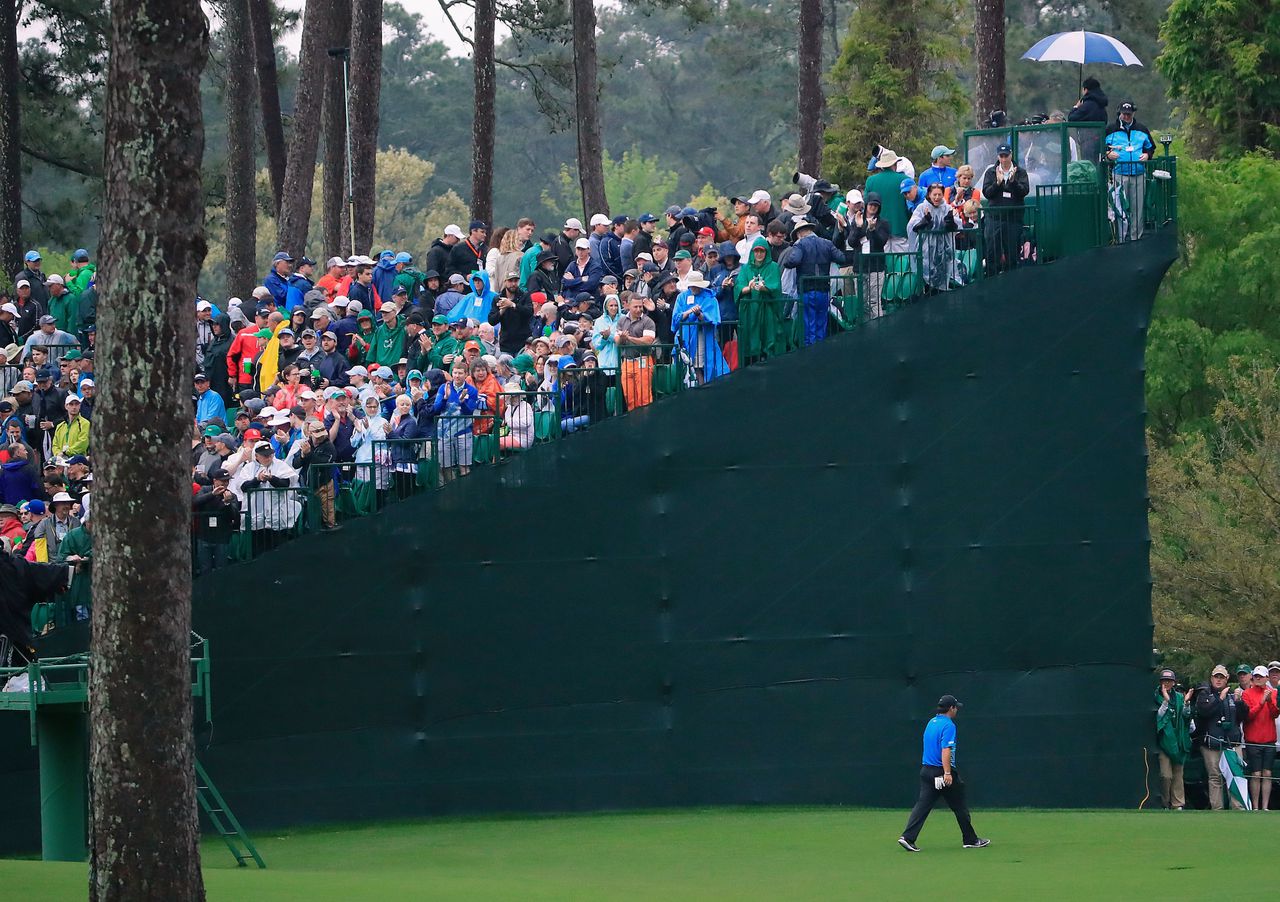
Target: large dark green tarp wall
{"x": 753, "y": 593}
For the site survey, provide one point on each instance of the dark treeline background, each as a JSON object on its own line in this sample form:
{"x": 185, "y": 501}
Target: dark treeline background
{"x": 706, "y": 98}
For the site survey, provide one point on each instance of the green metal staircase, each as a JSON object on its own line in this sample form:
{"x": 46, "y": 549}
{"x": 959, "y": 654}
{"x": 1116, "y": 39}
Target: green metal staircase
{"x": 224, "y": 821}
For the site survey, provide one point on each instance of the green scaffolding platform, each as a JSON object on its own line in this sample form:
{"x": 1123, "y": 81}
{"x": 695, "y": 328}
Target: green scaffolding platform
{"x": 57, "y": 705}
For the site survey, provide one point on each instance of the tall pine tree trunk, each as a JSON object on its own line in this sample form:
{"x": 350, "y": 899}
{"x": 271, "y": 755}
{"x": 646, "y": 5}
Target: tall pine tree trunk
{"x": 304, "y": 137}
{"x": 264, "y": 52}
{"x": 144, "y": 835}
{"x": 241, "y": 203}
{"x": 587, "y": 108}
{"x": 812, "y": 102}
{"x": 10, "y": 144}
{"x": 335, "y": 220}
{"x": 988, "y": 51}
{"x": 484, "y": 121}
{"x": 366, "y": 85}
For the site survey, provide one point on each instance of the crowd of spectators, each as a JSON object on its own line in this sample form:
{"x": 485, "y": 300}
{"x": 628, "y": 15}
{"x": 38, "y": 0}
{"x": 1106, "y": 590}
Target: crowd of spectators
{"x": 364, "y": 376}
{"x": 1230, "y": 730}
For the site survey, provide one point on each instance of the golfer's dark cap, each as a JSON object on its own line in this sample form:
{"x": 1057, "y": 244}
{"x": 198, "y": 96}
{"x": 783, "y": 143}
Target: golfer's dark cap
{"x": 947, "y": 702}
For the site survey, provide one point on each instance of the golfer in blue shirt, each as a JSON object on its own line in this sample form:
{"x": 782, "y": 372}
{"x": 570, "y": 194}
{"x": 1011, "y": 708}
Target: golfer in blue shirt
{"x": 939, "y": 777}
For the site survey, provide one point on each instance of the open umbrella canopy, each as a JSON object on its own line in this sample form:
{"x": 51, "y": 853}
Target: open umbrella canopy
{"x": 1082, "y": 47}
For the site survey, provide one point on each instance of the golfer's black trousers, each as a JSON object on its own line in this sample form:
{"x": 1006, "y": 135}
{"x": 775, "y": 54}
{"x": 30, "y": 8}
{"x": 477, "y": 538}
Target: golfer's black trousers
{"x": 954, "y": 796}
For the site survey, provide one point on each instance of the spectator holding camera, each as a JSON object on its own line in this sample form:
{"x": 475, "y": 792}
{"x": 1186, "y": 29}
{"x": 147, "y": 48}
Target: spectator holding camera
{"x": 1217, "y": 727}
{"x": 1173, "y": 738}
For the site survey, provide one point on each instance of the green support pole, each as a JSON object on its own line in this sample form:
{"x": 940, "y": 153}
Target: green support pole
{"x": 62, "y": 742}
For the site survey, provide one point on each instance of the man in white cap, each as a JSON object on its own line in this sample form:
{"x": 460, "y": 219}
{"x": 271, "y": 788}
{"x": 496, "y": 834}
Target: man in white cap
{"x": 763, "y": 206}
{"x": 438, "y": 254}
{"x": 204, "y": 329}
{"x": 29, "y": 308}
{"x": 8, "y": 323}
{"x": 564, "y": 246}
{"x": 335, "y": 268}
{"x": 63, "y": 306}
{"x": 599, "y": 228}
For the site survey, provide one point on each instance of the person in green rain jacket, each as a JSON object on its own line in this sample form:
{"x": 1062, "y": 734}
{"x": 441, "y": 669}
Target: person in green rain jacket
{"x": 758, "y": 290}
{"x": 76, "y": 549}
{"x": 1173, "y": 738}
{"x": 81, "y": 274}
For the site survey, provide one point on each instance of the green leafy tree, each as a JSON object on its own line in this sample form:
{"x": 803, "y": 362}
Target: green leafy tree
{"x": 1222, "y": 60}
{"x": 1215, "y": 527}
{"x": 1219, "y": 300}
{"x": 896, "y": 82}
{"x": 634, "y": 183}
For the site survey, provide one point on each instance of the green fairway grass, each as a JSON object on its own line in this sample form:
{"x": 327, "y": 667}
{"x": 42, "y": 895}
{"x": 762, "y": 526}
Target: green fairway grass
{"x": 761, "y": 853}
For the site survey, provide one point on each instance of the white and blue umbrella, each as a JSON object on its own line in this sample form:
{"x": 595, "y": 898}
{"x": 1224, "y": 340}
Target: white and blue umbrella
{"x": 1082, "y": 47}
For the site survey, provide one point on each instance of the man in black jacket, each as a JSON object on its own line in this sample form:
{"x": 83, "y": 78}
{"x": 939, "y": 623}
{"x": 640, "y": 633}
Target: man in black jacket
{"x": 511, "y": 313}
{"x": 563, "y": 248}
{"x": 33, "y": 274}
{"x": 1092, "y": 105}
{"x": 467, "y": 256}
{"x": 441, "y": 248}
{"x": 1217, "y": 719}
{"x": 1005, "y": 188}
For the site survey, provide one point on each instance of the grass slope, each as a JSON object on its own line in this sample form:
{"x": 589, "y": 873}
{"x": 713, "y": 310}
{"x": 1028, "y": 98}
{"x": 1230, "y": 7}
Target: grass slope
{"x": 766, "y": 853}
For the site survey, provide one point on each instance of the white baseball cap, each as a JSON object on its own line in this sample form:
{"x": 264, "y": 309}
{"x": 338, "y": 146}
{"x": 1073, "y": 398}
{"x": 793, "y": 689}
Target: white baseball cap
{"x": 234, "y": 302}
{"x": 341, "y": 301}
{"x": 599, "y": 219}
{"x": 761, "y": 196}
{"x": 454, "y": 230}
{"x": 203, "y": 305}
{"x": 9, "y": 308}
{"x": 262, "y": 292}
{"x": 573, "y": 223}
{"x": 22, "y": 283}
{"x": 55, "y": 279}
{"x": 335, "y": 261}
{"x": 853, "y": 197}
{"x": 1257, "y": 671}
{"x": 582, "y": 243}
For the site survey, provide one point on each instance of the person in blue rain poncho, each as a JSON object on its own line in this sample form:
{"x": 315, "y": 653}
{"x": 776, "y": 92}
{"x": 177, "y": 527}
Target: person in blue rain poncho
{"x": 476, "y": 305}
{"x": 695, "y": 318}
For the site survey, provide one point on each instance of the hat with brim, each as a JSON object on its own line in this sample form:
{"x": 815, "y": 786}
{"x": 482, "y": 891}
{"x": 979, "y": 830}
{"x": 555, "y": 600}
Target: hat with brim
{"x": 800, "y": 223}
{"x": 9, "y": 509}
{"x": 1260, "y": 671}
{"x": 695, "y": 279}
{"x": 887, "y": 160}
{"x": 795, "y": 204}
{"x": 62, "y": 498}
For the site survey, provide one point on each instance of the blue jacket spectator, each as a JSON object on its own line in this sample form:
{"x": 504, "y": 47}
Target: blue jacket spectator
{"x": 611, "y": 254}
{"x": 276, "y": 282}
{"x": 1129, "y": 140}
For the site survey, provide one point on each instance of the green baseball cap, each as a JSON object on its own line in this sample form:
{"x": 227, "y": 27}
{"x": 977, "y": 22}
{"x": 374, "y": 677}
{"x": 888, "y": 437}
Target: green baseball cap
{"x": 211, "y": 431}
{"x": 263, "y": 333}
{"x": 73, "y": 355}
{"x": 439, "y": 320}
{"x": 683, "y": 255}
{"x": 1243, "y": 668}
